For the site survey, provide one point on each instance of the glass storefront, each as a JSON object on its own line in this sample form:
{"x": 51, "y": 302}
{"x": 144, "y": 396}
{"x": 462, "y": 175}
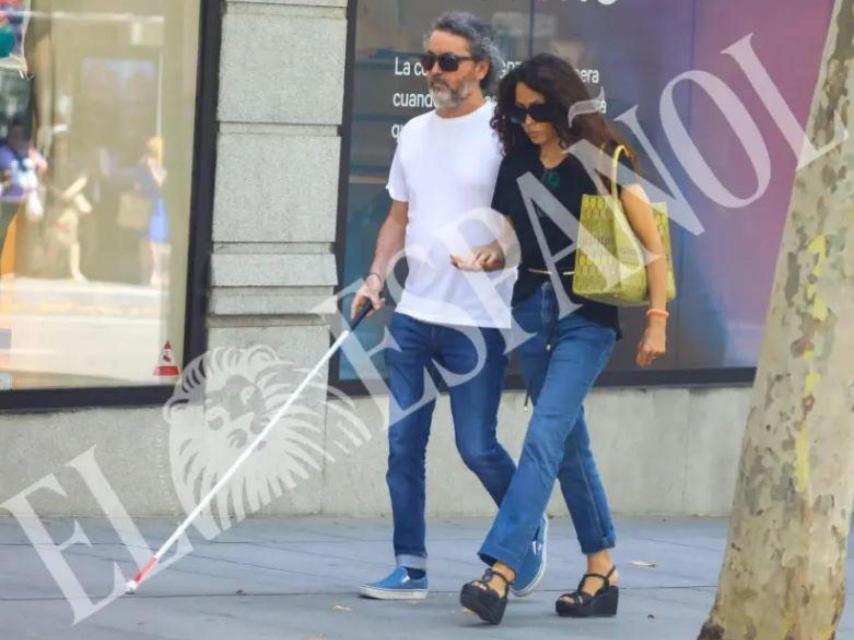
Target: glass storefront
{"x": 97, "y": 112}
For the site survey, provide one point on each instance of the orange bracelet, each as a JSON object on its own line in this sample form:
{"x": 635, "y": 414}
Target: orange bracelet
{"x": 658, "y": 312}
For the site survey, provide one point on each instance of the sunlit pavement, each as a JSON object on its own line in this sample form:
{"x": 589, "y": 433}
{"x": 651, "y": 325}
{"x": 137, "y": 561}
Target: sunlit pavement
{"x": 296, "y": 579}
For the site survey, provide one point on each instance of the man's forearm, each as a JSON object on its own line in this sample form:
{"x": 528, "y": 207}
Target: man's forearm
{"x": 390, "y": 242}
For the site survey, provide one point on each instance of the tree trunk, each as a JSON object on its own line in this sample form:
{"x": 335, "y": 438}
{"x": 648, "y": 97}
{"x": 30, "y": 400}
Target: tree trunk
{"x": 783, "y": 577}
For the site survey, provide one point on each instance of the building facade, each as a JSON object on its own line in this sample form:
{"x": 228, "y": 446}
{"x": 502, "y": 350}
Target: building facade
{"x": 275, "y": 121}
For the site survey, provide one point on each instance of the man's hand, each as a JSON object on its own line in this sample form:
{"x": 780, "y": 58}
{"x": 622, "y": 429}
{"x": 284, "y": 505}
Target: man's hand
{"x": 489, "y": 257}
{"x": 368, "y": 293}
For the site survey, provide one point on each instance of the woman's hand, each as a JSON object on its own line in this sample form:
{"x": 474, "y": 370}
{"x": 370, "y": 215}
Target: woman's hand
{"x": 489, "y": 257}
{"x": 653, "y": 344}
{"x": 639, "y": 212}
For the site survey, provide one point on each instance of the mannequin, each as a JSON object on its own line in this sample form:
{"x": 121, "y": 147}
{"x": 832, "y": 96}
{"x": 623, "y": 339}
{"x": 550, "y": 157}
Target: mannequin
{"x": 35, "y": 58}
{"x": 23, "y": 171}
{"x": 68, "y": 203}
{"x": 14, "y": 20}
{"x": 25, "y": 57}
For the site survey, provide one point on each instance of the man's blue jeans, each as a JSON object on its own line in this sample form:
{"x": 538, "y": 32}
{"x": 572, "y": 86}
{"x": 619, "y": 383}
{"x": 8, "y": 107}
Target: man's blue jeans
{"x": 473, "y": 363}
{"x": 560, "y": 364}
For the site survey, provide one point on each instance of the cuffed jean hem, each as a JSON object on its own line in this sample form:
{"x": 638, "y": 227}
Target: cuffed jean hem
{"x": 490, "y": 554}
{"x": 419, "y": 563}
{"x": 591, "y": 547}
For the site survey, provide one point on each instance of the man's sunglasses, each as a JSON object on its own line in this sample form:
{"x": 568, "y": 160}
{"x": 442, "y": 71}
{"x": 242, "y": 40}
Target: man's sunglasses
{"x": 448, "y": 62}
{"x": 539, "y": 112}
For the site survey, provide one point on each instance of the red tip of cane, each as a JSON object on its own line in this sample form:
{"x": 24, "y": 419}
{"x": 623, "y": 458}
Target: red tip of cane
{"x": 144, "y": 571}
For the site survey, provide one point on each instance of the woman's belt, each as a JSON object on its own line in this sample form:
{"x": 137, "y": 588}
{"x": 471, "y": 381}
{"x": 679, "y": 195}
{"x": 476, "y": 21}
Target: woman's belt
{"x": 546, "y": 272}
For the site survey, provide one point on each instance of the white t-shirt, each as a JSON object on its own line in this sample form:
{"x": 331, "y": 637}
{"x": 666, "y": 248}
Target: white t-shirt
{"x": 445, "y": 168}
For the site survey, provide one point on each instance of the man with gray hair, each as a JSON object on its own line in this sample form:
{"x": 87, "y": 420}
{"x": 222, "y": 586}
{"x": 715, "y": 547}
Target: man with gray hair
{"x": 444, "y": 168}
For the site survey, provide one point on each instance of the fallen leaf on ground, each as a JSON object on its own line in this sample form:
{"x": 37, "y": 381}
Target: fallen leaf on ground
{"x": 644, "y": 564}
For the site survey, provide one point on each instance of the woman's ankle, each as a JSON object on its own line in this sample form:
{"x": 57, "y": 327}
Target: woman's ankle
{"x": 496, "y": 583}
{"x": 600, "y": 562}
{"x": 505, "y": 571}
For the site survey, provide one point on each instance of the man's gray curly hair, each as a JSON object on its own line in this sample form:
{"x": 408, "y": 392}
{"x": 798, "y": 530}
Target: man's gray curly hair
{"x": 481, "y": 38}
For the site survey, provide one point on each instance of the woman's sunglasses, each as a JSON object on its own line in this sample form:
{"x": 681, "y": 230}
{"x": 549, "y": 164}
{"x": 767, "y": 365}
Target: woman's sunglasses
{"x": 448, "y": 62}
{"x": 539, "y": 112}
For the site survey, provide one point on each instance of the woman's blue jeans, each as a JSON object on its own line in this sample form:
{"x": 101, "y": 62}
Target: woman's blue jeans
{"x": 560, "y": 364}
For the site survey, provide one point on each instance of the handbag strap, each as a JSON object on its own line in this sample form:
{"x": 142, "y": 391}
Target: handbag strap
{"x": 615, "y": 165}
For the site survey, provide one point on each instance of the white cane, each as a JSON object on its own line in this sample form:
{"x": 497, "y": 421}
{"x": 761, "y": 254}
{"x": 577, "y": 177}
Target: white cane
{"x": 133, "y": 585}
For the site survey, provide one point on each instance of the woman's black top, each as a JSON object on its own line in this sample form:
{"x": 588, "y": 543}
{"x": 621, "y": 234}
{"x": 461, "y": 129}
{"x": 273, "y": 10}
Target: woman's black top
{"x": 567, "y": 182}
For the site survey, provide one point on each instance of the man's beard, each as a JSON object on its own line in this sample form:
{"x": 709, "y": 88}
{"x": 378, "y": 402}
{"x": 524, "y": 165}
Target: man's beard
{"x": 444, "y": 97}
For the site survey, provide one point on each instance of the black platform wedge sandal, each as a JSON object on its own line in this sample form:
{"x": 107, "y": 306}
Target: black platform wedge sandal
{"x": 484, "y": 600}
{"x": 581, "y": 604}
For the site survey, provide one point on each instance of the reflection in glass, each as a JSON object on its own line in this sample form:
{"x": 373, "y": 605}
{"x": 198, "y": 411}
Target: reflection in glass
{"x": 97, "y": 105}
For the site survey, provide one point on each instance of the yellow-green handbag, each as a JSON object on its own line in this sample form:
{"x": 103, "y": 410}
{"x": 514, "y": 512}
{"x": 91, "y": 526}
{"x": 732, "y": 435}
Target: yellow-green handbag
{"x": 609, "y": 262}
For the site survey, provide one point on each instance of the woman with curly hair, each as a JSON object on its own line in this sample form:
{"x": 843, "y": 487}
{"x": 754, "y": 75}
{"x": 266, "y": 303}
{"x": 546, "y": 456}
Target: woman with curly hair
{"x": 543, "y": 109}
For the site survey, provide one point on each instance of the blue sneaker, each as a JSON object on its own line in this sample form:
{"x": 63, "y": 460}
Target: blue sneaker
{"x": 534, "y": 565}
{"x": 396, "y": 586}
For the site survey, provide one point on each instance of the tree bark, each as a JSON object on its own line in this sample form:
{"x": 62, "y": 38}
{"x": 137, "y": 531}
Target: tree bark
{"x": 783, "y": 576}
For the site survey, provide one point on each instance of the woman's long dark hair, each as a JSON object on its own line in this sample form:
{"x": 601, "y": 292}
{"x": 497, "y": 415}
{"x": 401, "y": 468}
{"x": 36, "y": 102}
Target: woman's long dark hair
{"x": 561, "y": 85}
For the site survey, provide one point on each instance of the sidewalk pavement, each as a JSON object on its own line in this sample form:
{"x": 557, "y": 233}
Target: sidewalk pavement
{"x": 295, "y": 579}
